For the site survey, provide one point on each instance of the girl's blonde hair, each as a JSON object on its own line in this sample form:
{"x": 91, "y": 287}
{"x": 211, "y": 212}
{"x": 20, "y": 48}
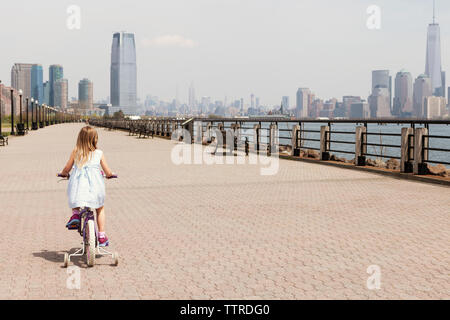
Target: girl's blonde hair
{"x": 86, "y": 144}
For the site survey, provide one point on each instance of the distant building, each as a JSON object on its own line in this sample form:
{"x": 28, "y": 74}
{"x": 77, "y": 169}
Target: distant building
{"x": 46, "y": 93}
{"x": 285, "y": 103}
{"x": 124, "y": 73}
{"x": 379, "y": 103}
{"x": 435, "y": 107}
{"x": 448, "y": 97}
{"x": 403, "y": 100}
{"x": 316, "y": 108}
{"x": 21, "y": 78}
{"x": 302, "y": 103}
{"x": 328, "y": 109}
{"x": 61, "y": 93}
{"x": 5, "y": 100}
{"x": 433, "y": 67}
{"x": 359, "y": 110}
{"x": 382, "y": 79}
{"x": 86, "y": 94}
{"x": 37, "y": 83}
{"x": 192, "y": 104}
{"x": 422, "y": 89}
{"x": 56, "y": 73}
{"x": 347, "y": 102}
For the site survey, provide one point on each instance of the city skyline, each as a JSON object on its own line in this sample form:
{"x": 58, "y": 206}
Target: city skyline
{"x": 168, "y": 62}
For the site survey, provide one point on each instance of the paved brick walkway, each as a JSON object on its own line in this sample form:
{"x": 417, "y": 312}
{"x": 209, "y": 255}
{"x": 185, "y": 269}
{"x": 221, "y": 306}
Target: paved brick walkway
{"x": 221, "y": 232}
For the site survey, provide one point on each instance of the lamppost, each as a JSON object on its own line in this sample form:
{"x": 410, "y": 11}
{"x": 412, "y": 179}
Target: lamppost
{"x": 43, "y": 116}
{"x": 34, "y": 124}
{"x": 20, "y": 125}
{"x": 12, "y": 112}
{"x": 20, "y": 104}
{"x": 41, "y": 125}
{"x": 28, "y": 111}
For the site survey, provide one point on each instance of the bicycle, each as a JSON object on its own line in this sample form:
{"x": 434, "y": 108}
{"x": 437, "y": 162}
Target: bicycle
{"x": 88, "y": 231}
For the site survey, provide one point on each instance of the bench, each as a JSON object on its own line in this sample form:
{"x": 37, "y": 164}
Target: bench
{"x": 3, "y": 141}
{"x": 21, "y": 130}
{"x": 146, "y": 131}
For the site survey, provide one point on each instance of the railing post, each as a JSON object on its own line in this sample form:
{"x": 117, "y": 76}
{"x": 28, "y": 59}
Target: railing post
{"x": 420, "y": 153}
{"x": 209, "y": 132}
{"x": 236, "y": 136}
{"x": 295, "y": 143}
{"x": 256, "y": 136}
{"x": 273, "y": 139}
{"x": 191, "y": 131}
{"x": 360, "y": 145}
{"x": 405, "y": 163}
{"x": 199, "y": 132}
{"x": 324, "y": 143}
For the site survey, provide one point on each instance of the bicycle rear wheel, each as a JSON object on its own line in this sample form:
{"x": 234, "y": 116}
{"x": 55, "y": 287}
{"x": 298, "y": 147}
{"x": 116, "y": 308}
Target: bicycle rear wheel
{"x": 91, "y": 243}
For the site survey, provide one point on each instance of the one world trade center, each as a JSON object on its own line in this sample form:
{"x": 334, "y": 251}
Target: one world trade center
{"x": 433, "y": 67}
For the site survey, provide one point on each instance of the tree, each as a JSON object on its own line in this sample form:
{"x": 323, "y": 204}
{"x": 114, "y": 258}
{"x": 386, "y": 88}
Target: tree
{"x": 118, "y": 115}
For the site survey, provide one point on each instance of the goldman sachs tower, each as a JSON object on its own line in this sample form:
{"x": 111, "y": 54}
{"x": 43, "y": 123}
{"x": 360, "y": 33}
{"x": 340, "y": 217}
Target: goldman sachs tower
{"x": 433, "y": 67}
{"x": 123, "y": 73}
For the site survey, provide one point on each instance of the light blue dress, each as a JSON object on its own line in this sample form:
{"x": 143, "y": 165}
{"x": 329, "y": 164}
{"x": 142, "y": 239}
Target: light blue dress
{"x": 87, "y": 185}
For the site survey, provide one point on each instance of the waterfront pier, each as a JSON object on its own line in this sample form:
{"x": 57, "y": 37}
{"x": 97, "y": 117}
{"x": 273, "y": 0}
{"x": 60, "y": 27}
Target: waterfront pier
{"x": 220, "y": 231}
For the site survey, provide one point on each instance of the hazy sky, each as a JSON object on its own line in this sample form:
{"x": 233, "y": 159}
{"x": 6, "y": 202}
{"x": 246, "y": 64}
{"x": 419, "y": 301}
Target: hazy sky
{"x": 226, "y": 47}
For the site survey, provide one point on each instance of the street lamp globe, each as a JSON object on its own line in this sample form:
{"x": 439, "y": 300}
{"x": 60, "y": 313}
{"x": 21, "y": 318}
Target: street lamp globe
{"x": 32, "y": 99}
{"x": 20, "y": 92}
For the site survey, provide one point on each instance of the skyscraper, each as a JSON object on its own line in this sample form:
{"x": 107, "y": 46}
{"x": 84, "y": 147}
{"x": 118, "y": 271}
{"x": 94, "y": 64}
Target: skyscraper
{"x": 21, "y": 78}
{"x": 37, "y": 85}
{"x": 382, "y": 79}
{"x": 56, "y": 72}
{"x": 403, "y": 100}
{"x": 422, "y": 89}
{"x": 46, "y": 92}
{"x": 86, "y": 94}
{"x": 123, "y": 73}
{"x": 435, "y": 107}
{"x": 379, "y": 103}
{"x": 301, "y": 109}
{"x": 285, "y": 103}
{"x": 347, "y": 102}
{"x": 61, "y": 93}
{"x": 433, "y": 66}
{"x": 192, "y": 105}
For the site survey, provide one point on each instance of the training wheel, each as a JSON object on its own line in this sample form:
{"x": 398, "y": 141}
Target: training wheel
{"x": 66, "y": 260}
{"x": 116, "y": 258}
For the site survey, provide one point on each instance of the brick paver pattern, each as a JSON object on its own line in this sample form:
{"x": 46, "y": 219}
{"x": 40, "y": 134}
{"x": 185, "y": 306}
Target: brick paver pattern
{"x": 221, "y": 231}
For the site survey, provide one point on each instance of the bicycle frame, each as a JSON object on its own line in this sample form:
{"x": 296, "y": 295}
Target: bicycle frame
{"x": 87, "y": 214}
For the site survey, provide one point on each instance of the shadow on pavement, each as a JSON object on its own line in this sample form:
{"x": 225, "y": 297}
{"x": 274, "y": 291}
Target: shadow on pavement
{"x": 58, "y": 258}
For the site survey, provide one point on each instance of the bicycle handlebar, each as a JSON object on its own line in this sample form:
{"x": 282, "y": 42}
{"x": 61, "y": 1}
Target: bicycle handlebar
{"x": 114, "y": 176}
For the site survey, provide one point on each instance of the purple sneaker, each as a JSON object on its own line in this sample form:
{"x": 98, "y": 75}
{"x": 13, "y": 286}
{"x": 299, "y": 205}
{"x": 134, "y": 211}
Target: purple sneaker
{"x": 74, "y": 222}
{"x": 103, "y": 241}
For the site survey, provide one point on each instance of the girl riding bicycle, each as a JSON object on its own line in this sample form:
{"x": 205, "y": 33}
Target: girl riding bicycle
{"x": 86, "y": 184}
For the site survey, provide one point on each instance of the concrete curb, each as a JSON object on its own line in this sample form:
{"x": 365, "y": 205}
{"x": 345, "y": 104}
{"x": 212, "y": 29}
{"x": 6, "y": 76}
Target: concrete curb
{"x": 384, "y": 172}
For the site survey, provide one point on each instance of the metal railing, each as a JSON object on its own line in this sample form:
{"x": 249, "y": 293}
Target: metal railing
{"x": 298, "y": 134}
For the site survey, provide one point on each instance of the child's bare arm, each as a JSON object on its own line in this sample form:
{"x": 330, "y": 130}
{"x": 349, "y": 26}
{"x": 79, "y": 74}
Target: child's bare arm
{"x": 69, "y": 164}
{"x": 105, "y": 167}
